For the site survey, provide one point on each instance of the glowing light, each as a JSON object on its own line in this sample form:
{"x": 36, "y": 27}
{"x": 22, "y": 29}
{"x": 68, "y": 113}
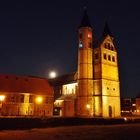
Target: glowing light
{"x": 52, "y": 74}
{"x": 88, "y": 106}
{"x": 58, "y": 102}
{"x": 125, "y": 119}
{"x": 133, "y": 104}
{"x": 138, "y": 110}
{"x": 2, "y": 97}
{"x": 69, "y": 89}
{"x": 89, "y": 35}
{"x": 39, "y": 100}
{"x": 80, "y": 45}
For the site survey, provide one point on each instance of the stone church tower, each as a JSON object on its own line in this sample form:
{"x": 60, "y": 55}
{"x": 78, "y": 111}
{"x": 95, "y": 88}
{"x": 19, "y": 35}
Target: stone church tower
{"x": 106, "y": 77}
{"x": 98, "y": 92}
{"x": 84, "y": 104}
{"x": 94, "y": 90}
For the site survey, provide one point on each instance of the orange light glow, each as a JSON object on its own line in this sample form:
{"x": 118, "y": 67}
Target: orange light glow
{"x": 39, "y": 100}
{"x": 89, "y": 35}
{"x": 88, "y": 106}
{"x": 2, "y": 97}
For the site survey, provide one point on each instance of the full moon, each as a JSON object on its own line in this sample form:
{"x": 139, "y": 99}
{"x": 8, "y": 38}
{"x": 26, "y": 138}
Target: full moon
{"x": 52, "y": 74}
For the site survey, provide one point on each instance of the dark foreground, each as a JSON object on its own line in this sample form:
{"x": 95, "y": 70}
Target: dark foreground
{"x": 83, "y": 132}
{"x": 17, "y": 123}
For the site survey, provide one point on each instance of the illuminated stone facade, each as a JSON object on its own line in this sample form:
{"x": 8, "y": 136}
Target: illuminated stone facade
{"x": 25, "y": 96}
{"x": 97, "y": 90}
{"x": 106, "y": 79}
{"x": 84, "y": 101}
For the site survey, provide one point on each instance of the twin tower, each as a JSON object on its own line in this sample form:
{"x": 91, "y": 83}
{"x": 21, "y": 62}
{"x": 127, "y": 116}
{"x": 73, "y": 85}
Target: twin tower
{"x": 98, "y": 90}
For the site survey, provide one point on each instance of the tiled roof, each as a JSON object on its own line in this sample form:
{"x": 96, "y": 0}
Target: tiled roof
{"x": 24, "y": 84}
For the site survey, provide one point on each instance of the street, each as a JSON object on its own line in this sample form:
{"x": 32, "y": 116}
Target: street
{"x": 88, "y": 132}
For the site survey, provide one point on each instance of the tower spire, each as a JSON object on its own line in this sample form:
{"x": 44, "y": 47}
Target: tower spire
{"x": 84, "y": 101}
{"x": 106, "y": 31}
{"x": 85, "y": 20}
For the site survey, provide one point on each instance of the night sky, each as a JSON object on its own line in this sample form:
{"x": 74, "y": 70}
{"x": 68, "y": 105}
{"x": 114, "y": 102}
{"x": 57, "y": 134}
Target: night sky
{"x": 39, "y": 36}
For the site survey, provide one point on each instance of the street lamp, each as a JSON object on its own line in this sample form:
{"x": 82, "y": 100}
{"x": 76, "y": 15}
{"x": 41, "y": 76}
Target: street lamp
{"x": 88, "y": 106}
{"x": 39, "y": 100}
{"x": 2, "y": 97}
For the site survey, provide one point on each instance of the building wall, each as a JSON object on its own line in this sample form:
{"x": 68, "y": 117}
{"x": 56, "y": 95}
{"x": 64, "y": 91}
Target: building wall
{"x": 106, "y": 83}
{"x": 99, "y": 97}
{"x": 69, "y": 108}
{"x": 137, "y": 106}
{"x": 110, "y": 101}
{"x": 84, "y": 102}
{"x": 129, "y": 106}
{"x": 14, "y": 105}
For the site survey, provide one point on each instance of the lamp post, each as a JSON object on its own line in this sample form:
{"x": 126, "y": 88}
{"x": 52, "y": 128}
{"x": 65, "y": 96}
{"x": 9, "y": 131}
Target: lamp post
{"x": 88, "y": 109}
{"x": 2, "y": 97}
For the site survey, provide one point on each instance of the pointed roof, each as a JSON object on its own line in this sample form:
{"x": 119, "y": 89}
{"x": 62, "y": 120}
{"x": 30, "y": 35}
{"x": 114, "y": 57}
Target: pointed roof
{"x": 85, "y": 20}
{"x": 106, "y": 31}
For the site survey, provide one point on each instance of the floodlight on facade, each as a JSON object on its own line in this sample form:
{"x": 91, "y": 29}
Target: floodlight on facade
{"x": 39, "y": 100}
{"x": 2, "y": 97}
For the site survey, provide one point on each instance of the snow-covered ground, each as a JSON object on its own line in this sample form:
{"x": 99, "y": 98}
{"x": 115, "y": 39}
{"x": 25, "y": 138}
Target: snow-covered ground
{"x": 90, "y": 132}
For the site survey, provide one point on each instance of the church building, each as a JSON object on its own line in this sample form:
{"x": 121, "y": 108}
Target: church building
{"x": 94, "y": 89}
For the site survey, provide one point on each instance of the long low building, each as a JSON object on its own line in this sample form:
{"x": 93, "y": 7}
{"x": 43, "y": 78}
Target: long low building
{"x": 25, "y": 96}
